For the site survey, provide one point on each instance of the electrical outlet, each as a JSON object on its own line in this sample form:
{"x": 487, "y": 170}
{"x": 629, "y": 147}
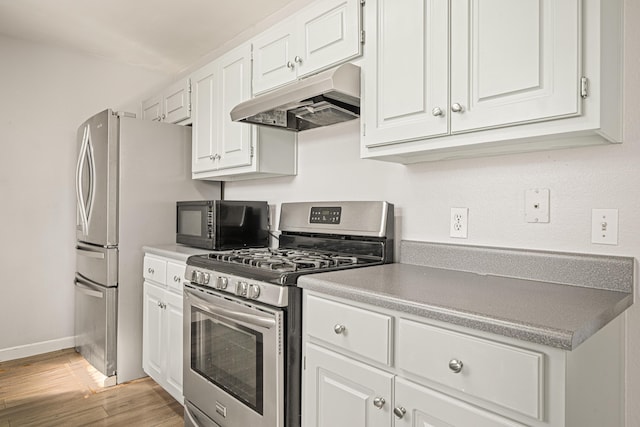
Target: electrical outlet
{"x": 459, "y": 222}
{"x": 604, "y": 226}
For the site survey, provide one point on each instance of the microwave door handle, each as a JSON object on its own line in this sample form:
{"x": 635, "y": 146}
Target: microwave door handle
{"x": 252, "y": 319}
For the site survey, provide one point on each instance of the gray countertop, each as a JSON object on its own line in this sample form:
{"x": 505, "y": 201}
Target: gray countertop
{"x": 557, "y": 315}
{"x": 174, "y": 251}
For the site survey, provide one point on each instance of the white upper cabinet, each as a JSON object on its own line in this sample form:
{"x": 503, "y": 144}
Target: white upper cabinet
{"x": 223, "y": 150}
{"x": 173, "y": 105}
{"x": 459, "y": 78}
{"x": 322, "y": 35}
{"x": 513, "y": 62}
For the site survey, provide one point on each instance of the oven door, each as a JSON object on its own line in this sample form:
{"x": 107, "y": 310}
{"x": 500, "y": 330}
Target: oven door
{"x": 233, "y": 359}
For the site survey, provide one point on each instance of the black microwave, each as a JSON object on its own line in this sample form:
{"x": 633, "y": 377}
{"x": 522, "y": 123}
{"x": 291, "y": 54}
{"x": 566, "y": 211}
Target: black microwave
{"x": 222, "y": 224}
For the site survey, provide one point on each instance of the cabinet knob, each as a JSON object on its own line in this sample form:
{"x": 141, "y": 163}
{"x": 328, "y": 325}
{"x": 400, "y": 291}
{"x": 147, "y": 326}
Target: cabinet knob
{"x": 297, "y": 60}
{"x": 437, "y": 112}
{"x": 150, "y": 270}
{"x": 379, "y": 402}
{"x": 290, "y": 65}
{"x": 176, "y": 279}
{"x": 455, "y": 365}
{"x": 399, "y": 412}
{"x": 457, "y": 108}
{"x": 338, "y": 329}
{"x": 164, "y": 117}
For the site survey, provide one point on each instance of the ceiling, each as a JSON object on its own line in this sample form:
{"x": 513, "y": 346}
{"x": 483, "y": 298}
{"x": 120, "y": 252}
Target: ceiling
{"x": 166, "y": 36}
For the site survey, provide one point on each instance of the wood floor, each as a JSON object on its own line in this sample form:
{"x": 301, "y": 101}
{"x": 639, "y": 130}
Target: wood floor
{"x": 61, "y": 389}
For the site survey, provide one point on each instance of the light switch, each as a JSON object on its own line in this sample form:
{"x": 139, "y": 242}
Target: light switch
{"x": 604, "y": 226}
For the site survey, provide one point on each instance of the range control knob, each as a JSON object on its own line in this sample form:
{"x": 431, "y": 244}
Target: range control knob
{"x": 241, "y": 288}
{"x": 222, "y": 282}
{"x": 198, "y": 277}
{"x": 253, "y": 292}
{"x": 205, "y": 278}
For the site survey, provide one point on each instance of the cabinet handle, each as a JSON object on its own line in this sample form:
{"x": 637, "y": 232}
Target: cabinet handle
{"x": 176, "y": 279}
{"x": 338, "y": 329}
{"x": 290, "y": 65}
{"x": 164, "y": 117}
{"x": 297, "y": 60}
{"x": 457, "y": 108}
{"x": 150, "y": 270}
{"x": 399, "y": 412}
{"x": 455, "y": 365}
{"x": 379, "y": 402}
{"x": 437, "y": 112}
{"x": 162, "y": 305}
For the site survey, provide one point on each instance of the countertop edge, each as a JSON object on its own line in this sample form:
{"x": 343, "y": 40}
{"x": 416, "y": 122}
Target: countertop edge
{"x": 552, "y": 337}
{"x": 173, "y": 251}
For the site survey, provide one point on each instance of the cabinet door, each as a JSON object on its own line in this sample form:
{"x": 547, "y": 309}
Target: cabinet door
{"x": 425, "y": 407}
{"x": 513, "y": 62}
{"x": 405, "y": 70}
{"x": 205, "y": 114}
{"x": 329, "y": 33}
{"x": 234, "y": 86}
{"x": 340, "y": 392}
{"x": 174, "y": 344}
{"x": 152, "y": 327}
{"x": 273, "y": 57}
{"x": 152, "y": 109}
{"x": 176, "y": 102}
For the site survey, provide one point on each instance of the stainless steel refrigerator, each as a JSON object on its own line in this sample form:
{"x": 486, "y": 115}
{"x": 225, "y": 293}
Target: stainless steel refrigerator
{"x": 129, "y": 175}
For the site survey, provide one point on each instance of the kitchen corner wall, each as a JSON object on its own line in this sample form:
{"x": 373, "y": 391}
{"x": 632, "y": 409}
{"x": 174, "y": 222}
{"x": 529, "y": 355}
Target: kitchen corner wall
{"x": 493, "y": 189}
{"x": 46, "y": 94}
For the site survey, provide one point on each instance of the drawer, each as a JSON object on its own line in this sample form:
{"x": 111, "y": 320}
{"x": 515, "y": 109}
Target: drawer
{"x": 155, "y": 269}
{"x": 426, "y": 407}
{"x": 175, "y": 276}
{"x": 505, "y": 375}
{"x": 360, "y": 331}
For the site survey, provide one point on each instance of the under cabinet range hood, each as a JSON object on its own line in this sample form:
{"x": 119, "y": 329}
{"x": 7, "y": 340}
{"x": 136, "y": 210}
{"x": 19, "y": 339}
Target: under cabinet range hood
{"x": 324, "y": 99}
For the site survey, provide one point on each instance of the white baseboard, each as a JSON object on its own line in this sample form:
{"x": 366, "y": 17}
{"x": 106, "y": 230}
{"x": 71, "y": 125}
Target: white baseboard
{"x": 37, "y": 348}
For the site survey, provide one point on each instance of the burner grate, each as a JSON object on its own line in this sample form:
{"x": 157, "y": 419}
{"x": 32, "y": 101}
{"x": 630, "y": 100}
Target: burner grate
{"x": 284, "y": 260}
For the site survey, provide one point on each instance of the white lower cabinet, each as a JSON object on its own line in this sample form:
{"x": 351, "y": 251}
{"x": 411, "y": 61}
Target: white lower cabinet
{"x": 162, "y": 323}
{"x": 440, "y": 375}
{"x": 340, "y": 392}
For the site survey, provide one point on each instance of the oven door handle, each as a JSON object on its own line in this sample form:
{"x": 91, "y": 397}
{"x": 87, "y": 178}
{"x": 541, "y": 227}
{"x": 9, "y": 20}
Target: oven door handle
{"x": 252, "y": 319}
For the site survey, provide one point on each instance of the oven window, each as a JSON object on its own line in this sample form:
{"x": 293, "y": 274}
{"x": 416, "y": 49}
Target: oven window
{"x": 229, "y": 355}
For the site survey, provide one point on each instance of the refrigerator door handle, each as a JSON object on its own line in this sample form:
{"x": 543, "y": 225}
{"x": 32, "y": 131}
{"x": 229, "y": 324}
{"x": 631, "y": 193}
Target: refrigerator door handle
{"x": 79, "y": 167}
{"x": 89, "y": 253}
{"x": 86, "y": 154}
{"x": 88, "y": 291}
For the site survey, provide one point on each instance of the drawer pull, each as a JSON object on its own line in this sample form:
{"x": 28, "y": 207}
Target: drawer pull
{"x": 379, "y": 402}
{"x": 399, "y": 412}
{"x": 151, "y": 270}
{"x": 455, "y": 365}
{"x": 338, "y": 329}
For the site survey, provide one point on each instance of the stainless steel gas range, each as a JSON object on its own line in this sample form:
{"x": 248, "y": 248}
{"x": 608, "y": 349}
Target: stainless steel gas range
{"x": 243, "y": 311}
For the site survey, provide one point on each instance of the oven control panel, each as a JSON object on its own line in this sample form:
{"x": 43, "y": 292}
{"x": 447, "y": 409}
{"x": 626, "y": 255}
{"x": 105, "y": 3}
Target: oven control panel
{"x": 325, "y": 215}
{"x": 265, "y": 292}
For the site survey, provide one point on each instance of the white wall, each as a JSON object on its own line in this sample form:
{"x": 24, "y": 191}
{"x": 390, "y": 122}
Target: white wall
{"x": 493, "y": 190}
{"x": 46, "y": 94}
